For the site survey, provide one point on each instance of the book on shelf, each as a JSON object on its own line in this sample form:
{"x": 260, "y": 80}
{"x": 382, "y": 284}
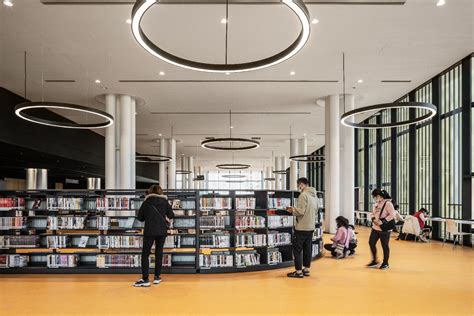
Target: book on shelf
{"x": 83, "y": 241}
{"x": 318, "y": 233}
{"x": 21, "y": 241}
{"x": 216, "y": 259}
{"x": 61, "y": 261}
{"x": 13, "y": 261}
{"x": 274, "y": 256}
{"x": 211, "y": 221}
{"x": 277, "y": 221}
{"x": 216, "y": 203}
{"x": 118, "y": 261}
{"x": 245, "y": 203}
{"x": 64, "y": 203}
{"x": 182, "y": 222}
{"x": 17, "y": 222}
{"x": 250, "y": 240}
{"x": 252, "y": 221}
{"x": 279, "y": 203}
{"x": 115, "y": 202}
{"x": 174, "y": 241}
{"x": 178, "y": 213}
{"x": 247, "y": 259}
{"x": 315, "y": 250}
{"x": 113, "y": 213}
{"x": 66, "y": 222}
{"x": 55, "y": 242}
{"x": 116, "y": 242}
{"x": 278, "y": 239}
{"x": 214, "y": 240}
{"x": 12, "y": 203}
{"x": 183, "y": 204}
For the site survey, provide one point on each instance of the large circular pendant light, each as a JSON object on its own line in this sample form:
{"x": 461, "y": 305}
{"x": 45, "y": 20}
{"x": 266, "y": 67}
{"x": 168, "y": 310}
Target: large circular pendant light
{"x": 152, "y": 158}
{"x": 297, "y": 6}
{"x": 233, "y": 176}
{"x": 218, "y": 143}
{"x": 308, "y": 158}
{"x": 429, "y": 109}
{"x": 233, "y": 166}
{"x": 22, "y": 108}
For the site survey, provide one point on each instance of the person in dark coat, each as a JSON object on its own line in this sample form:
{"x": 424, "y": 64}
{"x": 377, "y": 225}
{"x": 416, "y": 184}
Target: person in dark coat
{"x": 156, "y": 213}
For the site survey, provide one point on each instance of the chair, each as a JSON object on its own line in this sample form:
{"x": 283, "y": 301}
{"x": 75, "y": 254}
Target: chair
{"x": 452, "y": 228}
{"x": 359, "y": 220}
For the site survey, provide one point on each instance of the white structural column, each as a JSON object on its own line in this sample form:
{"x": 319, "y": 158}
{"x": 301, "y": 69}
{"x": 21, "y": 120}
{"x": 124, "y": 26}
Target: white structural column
{"x": 347, "y": 165}
{"x": 162, "y": 165}
{"x": 125, "y": 141}
{"x": 110, "y": 146}
{"x": 277, "y": 167}
{"x": 197, "y": 184}
{"x": 118, "y": 123}
{"x": 133, "y": 145}
{"x": 303, "y": 150}
{"x": 268, "y": 175}
{"x": 191, "y": 175}
{"x": 293, "y": 164}
{"x": 283, "y": 166}
{"x": 172, "y": 164}
{"x": 332, "y": 147}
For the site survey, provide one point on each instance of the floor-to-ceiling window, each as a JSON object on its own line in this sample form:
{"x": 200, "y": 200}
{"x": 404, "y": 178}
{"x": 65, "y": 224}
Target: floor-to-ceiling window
{"x": 424, "y": 163}
{"x": 360, "y": 168}
{"x": 386, "y": 178}
{"x": 316, "y": 170}
{"x": 402, "y": 161}
{"x": 373, "y": 164}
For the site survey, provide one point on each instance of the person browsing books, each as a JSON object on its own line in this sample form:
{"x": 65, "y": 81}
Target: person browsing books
{"x": 305, "y": 219}
{"x": 383, "y": 222}
{"x": 155, "y": 212}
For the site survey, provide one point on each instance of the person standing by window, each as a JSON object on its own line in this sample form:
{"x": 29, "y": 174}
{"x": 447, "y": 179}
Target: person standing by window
{"x": 305, "y": 220}
{"x": 156, "y": 213}
{"x": 382, "y": 216}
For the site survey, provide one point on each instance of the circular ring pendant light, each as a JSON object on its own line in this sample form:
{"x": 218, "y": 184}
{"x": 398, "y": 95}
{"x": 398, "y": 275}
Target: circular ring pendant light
{"x": 280, "y": 171}
{"x": 308, "y": 158}
{"x": 297, "y": 6}
{"x": 217, "y": 143}
{"x": 233, "y": 176}
{"x": 22, "y": 108}
{"x": 269, "y": 179}
{"x": 430, "y": 112}
{"x": 151, "y": 158}
{"x": 183, "y": 172}
{"x": 233, "y": 166}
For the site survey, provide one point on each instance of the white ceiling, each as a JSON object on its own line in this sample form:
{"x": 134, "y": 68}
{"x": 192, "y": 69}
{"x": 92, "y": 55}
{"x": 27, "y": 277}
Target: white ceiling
{"x": 87, "y": 42}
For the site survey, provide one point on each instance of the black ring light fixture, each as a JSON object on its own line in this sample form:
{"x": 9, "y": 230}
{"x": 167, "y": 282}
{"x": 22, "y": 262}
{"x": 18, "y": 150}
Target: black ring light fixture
{"x": 151, "y": 158}
{"x": 233, "y": 176}
{"x": 269, "y": 179}
{"x": 233, "y": 166}
{"x": 308, "y": 158}
{"x": 209, "y": 144}
{"x": 430, "y": 108}
{"x": 297, "y": 6}
{"x": 20, "y": 111}
{"x": 235, "y": 181}
{"x": 183, "y": 172}
{"x": 280, "y": 171}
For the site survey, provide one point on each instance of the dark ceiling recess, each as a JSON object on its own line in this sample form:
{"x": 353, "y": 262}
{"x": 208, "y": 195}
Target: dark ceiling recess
{"x": 65, "y": 152}
{"x": 308, "y": 2}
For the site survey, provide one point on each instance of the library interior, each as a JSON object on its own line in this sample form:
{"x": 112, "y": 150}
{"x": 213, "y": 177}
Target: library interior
{"x": 236, "y": 157}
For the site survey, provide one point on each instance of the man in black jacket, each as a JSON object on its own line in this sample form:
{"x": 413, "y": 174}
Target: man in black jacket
{"x": 155, "y": 212}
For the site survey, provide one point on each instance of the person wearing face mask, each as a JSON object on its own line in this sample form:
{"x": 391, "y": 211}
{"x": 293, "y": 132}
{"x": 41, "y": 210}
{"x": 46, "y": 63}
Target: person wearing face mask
{"x": 383, "y": 222}
{"x": 305, "y": 219}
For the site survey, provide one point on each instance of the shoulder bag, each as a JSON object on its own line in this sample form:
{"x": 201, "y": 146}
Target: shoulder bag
{"x": 386, "y": 225}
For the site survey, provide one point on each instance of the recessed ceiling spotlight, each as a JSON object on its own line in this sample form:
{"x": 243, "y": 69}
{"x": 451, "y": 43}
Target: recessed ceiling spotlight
{"x": 160, "y": 134}
{"x": 128, "y": 21}
{"x": 304, "y": 135}
{"x": 97, "y": 81}
{"x": 440, "y": 3}
{"x": 231, "y": 127}
{"x": 227, "y": 73}
{"x": 360, "y": 81}
{"x": 8, "y": 3}
{"x": 162, "y": 73}
{"x": 292, "y": 73}
{"x": 315, "y": 21}
{"x": 224, "y": 21}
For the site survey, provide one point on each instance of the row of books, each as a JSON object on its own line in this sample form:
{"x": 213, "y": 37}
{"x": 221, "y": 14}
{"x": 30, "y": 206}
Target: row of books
{"x": 19, "y": 241}
{"x": 61, "y": 261}
{"x": 276, "y": 221}
{"x": 55, "y": 242}
{"x": 183, "y": 204}
{"x": 252, "y": 221}
{"x": 129, "y": 261}
{"x": 214, "y": 221}
{"x": 13, "y": 261}
{"x": 318, "y": 233}
{"x": 106, "y": 242}
{"x": 245, "y": 203}
{"x": 12, "y": 222}
{"x": 247, "y": 259}
{"x": 278, "y": 239}
{"x": 216, "y": 260}
{"x": 66, "y": 222}
{"x": 216, "y": 203}
{"x": 274, "y": 257}
{"x": 64, "y": 203}
{"x": 113, "y": 202}
{"x": 279, "y": 203}
{"x": 250, "y": 240}
{"x": 12, "y": 202}
{"x": 315, "y": 250}
{"x": 214, "y": 240}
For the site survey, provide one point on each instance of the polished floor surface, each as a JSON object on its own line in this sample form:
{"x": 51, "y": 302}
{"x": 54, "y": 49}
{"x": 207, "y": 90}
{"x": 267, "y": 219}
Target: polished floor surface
{"x": 424, "y": 279}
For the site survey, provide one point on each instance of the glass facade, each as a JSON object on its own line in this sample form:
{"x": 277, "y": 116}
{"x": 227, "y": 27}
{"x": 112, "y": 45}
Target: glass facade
{"x": 372, "y": 166}
{"x": 403, "y": 171}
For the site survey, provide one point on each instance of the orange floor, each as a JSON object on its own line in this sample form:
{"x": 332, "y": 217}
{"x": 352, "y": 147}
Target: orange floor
{"x": 424, "y": 279}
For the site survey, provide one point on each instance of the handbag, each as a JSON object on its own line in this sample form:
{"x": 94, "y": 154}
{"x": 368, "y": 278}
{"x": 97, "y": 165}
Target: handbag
{"x": 386, "y": 225}
{"x": 167, "y": 224}
{"x": 339, "y": 250}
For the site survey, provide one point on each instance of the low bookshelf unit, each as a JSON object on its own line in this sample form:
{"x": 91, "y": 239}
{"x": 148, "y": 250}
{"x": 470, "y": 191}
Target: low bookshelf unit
{"x": 95, "y": 231}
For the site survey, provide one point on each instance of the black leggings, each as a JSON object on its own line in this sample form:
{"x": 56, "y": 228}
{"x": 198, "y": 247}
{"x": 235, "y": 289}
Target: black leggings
{"x": 384, "y": 237}
{"x": 302, "y": 249}
{"x": 147, "y": 244}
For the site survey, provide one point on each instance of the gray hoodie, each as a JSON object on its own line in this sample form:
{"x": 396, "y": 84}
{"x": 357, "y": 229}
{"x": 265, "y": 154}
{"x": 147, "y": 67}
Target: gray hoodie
{"x": 306, "y": 210}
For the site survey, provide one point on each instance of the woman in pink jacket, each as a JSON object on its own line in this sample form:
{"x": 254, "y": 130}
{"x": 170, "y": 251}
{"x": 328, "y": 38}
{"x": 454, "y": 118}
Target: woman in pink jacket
{"x": 383, "y": 212}
{"x": 343, "y": 236}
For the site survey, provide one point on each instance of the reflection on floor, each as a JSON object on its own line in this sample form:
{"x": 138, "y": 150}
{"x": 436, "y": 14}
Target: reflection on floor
{"x": 423, "y": 279}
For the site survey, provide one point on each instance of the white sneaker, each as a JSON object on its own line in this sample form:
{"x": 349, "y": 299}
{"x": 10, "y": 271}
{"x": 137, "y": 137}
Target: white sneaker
{"x": 423, "y": 238}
